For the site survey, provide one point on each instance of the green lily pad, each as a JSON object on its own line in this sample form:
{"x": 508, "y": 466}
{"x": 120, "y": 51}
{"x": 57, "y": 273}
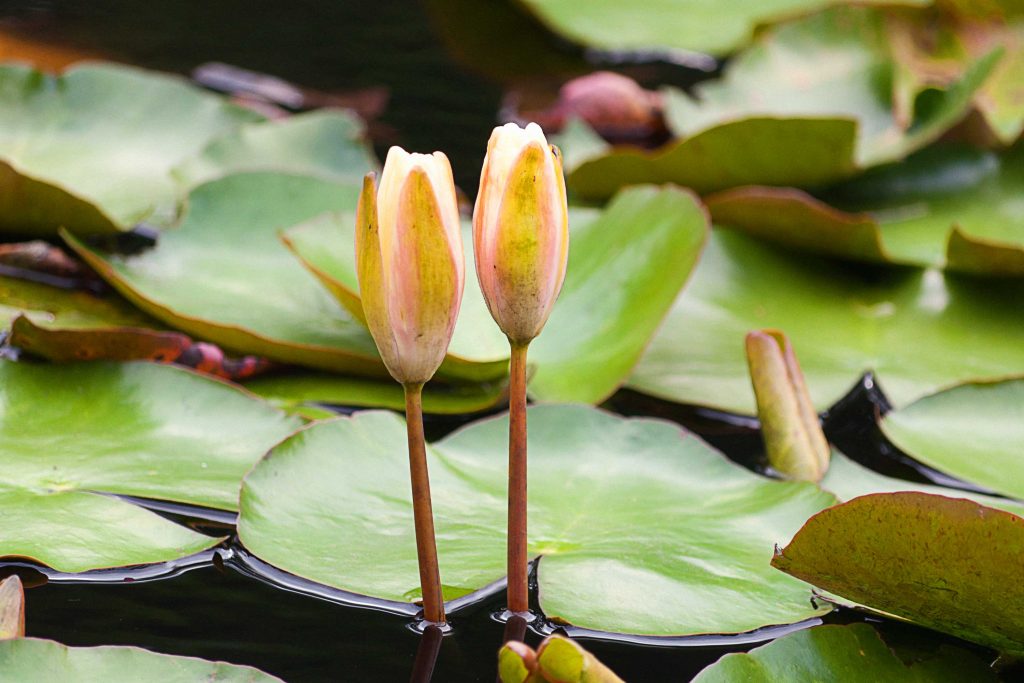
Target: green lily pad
{"x": 93, "y": 149}
{"x": 332, "y": 504}
{"x": 848, "y": 480}
{"x": 676, "y": 25}
{"x": 915, "y": 329}
{"x": 32, "y": 660}
{"x": 222, "y": 274}
{"x": 749, "y": 151}
{"x": 626, "y": 266}
{"x": 974, "y": 432}
{"x": 62, "y": 325}
{"x": 324, "y": 143}
{"x": 852, "y": 654}
{"x": 954, "y": 207}
{"x": 297, "y": 391}
{"x": 137, "y": 429}
{"x": 828, "y": 85}
{"x": 958, "y": 562}
{"x": 838, "y": 64}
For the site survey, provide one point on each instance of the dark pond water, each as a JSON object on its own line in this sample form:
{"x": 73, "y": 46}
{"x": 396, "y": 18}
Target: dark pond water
{"x": 445, "y": 66}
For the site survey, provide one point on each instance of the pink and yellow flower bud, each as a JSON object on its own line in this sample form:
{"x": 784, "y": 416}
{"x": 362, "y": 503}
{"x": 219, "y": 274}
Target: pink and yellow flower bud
{"x": 521, "y": 230}
{"x": 409, "y": 262}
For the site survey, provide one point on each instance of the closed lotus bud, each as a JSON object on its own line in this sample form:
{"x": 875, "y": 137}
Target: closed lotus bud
{"x": 521, "y": 230}
{"x": 409, "y": 262}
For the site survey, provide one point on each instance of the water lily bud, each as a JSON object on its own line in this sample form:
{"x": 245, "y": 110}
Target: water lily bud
{"x": 521, "y": 230}
{"x": 793, "y": 437}
{"x": 409, "y": 262}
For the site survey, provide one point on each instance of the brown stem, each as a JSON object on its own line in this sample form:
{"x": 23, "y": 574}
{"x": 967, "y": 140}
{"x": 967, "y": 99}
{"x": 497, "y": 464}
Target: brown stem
{"x": 426, "y": 547}
{"x": 518, "y": 590}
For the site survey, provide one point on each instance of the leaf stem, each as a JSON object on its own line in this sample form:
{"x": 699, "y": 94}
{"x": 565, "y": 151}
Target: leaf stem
{"x": 518, "y": 589}
{"x": 426, "y": 546}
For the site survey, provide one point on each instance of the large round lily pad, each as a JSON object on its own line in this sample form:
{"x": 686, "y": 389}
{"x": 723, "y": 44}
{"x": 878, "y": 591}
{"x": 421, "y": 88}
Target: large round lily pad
{"x": 627, "y": 263}
{"x": 852, "y": 654}
{"x": 958, "y": 562}
{"x": 974, "y": 432}
{"x": 640, "y": 527}
{"x": 93, "y": 149}
{"x": 32, "y": 660}
{"x": 918, "y": 330}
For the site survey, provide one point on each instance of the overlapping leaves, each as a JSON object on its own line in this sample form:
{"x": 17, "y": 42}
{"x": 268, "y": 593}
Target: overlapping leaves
{"x": 332, "y": 504}
{"x": 71, "y": 433}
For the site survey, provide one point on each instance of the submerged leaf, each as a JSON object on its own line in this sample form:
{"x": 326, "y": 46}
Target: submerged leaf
{"x": 332, "y": 504}
{"x": 948, "y": 564}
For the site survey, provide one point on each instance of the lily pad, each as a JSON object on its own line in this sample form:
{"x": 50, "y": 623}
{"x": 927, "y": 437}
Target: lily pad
{"x": 835, "y": 64}
{"x": 136, "y": 429}
{"x": 954, "y": 207}
{"x": 851, "y": 654}
{"x": 222, "y": 274}
{"x": 858, "y": 112}
{"x": 918, "y": 331}
{"x": 676, "y": 25}
{"x": 324, "y": 143}
{"x": 32, "y": 660}
{"x": 61, "y": 324}
{"x": 626, "y": 266}
{"x": 93, "y": 148}
{"x": 332, "y": 504}
{"x": 848, "y": 479}
{"x": 958, "y": 562}
{"x": 974, "y": 432}
{"x": 295, "y": 391}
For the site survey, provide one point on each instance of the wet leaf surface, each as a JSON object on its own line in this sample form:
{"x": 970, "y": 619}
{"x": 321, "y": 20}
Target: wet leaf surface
{"x": 134, "y": 125}
{"x": 974, "y": 432}
{"x": 853, "y": 653}
{"x": 332, "y": 504}
{"x": 32, "y": 660}
{"x": 841, "y": 321}
{"x": 957, "y": 562}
